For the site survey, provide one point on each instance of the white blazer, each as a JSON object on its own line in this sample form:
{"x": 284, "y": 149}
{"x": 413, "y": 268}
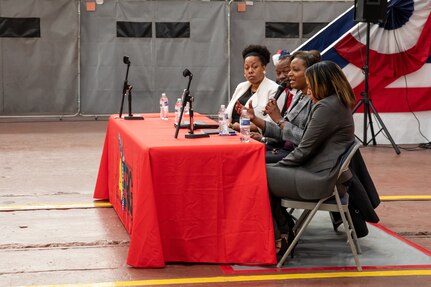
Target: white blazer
{"x": 266, "y": 90}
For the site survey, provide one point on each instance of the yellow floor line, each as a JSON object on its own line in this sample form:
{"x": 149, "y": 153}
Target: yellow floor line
{"x": 55, "y": 206}
{"x": 404, "y": 197}
{"x": 98, "y": 204}
{"x": 274, "y": 277}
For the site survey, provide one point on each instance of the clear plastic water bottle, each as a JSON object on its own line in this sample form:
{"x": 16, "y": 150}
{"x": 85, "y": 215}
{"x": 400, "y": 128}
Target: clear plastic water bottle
{"x": 222, "y": 121}
{"x": 187, "y": 109}
{"x": 178, "y": 106}
{"x": 244, "y": 126}
{"x": 164, "y": 107}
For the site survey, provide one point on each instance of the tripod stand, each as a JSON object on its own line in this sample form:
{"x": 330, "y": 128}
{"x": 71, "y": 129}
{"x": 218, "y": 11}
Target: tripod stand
{"x": 368, "y": 104}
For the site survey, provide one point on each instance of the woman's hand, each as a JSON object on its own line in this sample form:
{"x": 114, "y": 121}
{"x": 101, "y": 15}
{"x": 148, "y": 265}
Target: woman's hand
{"x": 273, "y": 111}
{"x": 238, "y": 107}
{"x": 256, "y": 136}
{"x": 250, "y": 110}
{"x": 235, "y": 126}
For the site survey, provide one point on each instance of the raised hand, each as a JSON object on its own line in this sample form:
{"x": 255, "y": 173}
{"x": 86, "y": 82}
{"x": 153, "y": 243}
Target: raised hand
{"x": 272, "y": 110}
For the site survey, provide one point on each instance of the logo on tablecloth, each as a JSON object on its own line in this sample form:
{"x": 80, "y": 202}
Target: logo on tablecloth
{"x": 125, "y": 184}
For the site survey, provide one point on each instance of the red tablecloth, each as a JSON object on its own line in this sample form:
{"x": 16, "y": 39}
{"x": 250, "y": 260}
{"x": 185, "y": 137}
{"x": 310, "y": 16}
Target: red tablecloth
{"x": 186, "y": 200}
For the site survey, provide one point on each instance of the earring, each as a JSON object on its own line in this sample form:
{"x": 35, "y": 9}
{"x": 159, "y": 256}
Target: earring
{"x": 264, "y": 72}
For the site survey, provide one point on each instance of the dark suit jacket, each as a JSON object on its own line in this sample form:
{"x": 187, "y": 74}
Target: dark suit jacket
{"x": 310, "y": 171}
{"x": 296, "y": 119}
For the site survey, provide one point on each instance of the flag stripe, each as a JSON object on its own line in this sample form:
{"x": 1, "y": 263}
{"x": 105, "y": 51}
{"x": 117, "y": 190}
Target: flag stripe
{"x": 330, "y": 33}
{"x": 399, "y": 55}
{"x": 392, "y": 65}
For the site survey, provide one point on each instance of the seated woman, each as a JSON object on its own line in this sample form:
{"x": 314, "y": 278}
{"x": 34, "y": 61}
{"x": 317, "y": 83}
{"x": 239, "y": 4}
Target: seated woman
{"x": 285, "y": 131}
{"x": 309, "y": 172}
{"x": 258, "y": 89}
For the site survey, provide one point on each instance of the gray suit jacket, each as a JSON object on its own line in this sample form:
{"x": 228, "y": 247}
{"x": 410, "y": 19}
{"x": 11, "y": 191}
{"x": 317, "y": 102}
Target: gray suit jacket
{"x": 296, "y": 120}
{"x": 310, "y": 171}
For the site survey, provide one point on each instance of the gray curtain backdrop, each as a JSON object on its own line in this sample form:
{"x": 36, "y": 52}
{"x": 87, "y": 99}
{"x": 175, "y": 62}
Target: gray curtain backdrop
{"x": 156, "y": 63}
{"x": 39, "y": 75}
{"x": 76, "y": 65}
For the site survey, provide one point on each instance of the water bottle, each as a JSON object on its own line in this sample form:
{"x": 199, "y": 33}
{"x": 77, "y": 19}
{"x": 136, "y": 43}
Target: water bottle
{"x": 164, "y": 107}
{"x": 244, "y": 126}
{"x": 222, "y": 120}
{"x": 178, "y": 106}
{"x": 187, "y": 109}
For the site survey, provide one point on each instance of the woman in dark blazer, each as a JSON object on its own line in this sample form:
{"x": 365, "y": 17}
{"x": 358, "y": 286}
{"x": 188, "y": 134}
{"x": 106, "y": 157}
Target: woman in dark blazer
{"x": 285, "y": 131}
{"x": 310, "y": 171}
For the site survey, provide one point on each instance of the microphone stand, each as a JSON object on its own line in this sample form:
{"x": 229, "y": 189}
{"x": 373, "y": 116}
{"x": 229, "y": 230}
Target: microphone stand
{"x": 188, "y": 99}
{"x": 127, "y": 89}
{"x": 368, "y": 104}
{"x": 129, "y": 98}
{"x": 125, "y": 85}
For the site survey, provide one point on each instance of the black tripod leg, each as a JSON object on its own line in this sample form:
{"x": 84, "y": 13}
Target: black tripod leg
{"x": 360, "y": 102}
{"x": 366, "y": 113}
{"x": 397, "y": 150}
{"x": 370, "y": 120}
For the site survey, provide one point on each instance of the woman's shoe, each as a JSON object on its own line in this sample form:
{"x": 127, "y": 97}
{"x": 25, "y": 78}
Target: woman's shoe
{"x": 281, "y": 247}
{"x": 283, "y": 244}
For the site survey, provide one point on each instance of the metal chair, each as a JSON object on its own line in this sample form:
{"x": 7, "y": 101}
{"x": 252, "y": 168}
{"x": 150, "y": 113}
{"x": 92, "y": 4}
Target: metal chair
{"x": 333, "y": 203}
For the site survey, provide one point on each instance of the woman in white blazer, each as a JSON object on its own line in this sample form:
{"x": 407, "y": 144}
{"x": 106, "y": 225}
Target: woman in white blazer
{"x": 258, "y": 89}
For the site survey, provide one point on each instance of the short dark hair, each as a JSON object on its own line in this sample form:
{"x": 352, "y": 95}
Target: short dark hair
{"x": 257, "y": 50}
{"x": 316, "y": 54}
{"x": 308, "y": 58}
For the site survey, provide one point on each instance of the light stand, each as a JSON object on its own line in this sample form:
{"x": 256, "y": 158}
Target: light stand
{"x": 366, "y": 101}
{"x": 188, "y": 99}
{"x": 127, "y": 89}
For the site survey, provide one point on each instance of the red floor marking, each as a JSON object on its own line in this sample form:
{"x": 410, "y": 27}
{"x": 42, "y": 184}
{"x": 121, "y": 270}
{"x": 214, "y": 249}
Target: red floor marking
{"x": 228, "y": 269}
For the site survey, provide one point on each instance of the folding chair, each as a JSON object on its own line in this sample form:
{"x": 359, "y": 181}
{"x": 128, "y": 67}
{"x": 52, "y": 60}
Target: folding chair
{"x": 331, "y": 203}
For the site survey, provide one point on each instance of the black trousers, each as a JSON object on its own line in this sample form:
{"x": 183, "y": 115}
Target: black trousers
{"x": 281, "y": 219}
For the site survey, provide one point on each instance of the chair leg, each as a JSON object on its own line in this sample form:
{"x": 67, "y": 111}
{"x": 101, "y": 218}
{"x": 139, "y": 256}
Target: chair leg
{"x": 352, "y": 227}
{"x": 300, "y": 232}
{"x": 348, "y": 230}
{"x": 300, "y": 220}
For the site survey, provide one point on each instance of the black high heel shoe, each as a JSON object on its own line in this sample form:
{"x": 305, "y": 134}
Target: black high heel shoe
{"x": 282, "y": 249}
{"x": 285, "y": 243}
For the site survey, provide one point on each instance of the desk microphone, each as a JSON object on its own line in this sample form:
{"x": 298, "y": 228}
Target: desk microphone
{"x": 126, "y": 60}
{"x": 187, "y": 73}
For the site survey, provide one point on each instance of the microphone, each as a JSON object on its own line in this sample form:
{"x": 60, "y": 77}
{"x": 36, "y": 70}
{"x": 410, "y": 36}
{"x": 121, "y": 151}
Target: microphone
{"x": 280, "y": 90}
{"x": 126, "y": 60}
{"x": 187, "y": 73}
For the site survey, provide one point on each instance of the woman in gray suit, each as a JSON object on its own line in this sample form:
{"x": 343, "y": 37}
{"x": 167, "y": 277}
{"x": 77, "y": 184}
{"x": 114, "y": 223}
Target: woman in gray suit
{"x": 310, "y": 171}
{"x": 284, "y": 132}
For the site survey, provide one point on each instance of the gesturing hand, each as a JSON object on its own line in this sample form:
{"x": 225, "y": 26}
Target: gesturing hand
{"x": 238, "y": 107}
{"x": 250, "y": 110}
{"x": 272, "y": 107}
{"x": 272, "y": 110}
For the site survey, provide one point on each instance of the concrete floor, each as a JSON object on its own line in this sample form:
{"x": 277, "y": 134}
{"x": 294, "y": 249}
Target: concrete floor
{"x": 52, "y": 235}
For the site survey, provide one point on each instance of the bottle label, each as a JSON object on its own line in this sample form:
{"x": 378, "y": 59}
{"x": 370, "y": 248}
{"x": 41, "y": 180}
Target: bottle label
{"x": 245, "y": 122}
